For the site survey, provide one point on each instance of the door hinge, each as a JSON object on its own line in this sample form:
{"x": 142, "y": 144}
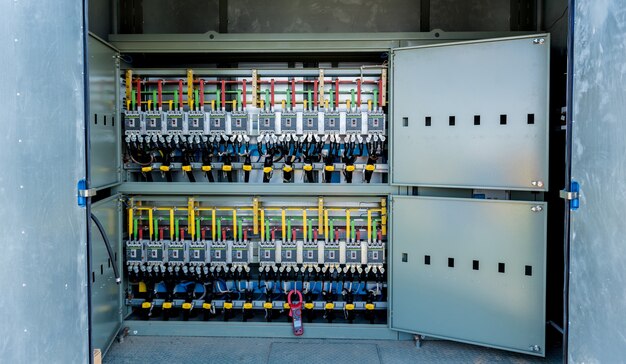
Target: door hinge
{"x": 84, "y": 193}
{"x": 572, "y": 195}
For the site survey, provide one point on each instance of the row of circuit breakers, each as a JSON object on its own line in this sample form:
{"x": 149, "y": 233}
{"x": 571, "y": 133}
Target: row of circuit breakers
{"x": 293, "y": 129}
{"x": 203, "y": 257}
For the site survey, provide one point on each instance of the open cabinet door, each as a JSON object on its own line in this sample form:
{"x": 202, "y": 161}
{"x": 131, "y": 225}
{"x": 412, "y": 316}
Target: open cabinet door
{"x": 470, "y": 270}
{"x": 106, "y": 294}
{"x": 105, "y": 123}
{"x": 471, "y": 114}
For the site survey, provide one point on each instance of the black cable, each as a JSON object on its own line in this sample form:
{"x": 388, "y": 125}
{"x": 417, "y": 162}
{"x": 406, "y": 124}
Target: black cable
{"x": 118, "y": 280}
{"x": 557, "y": 19}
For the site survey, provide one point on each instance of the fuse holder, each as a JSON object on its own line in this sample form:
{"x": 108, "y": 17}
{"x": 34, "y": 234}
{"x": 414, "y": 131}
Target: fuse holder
{"x": 227, "y": 168}
{"x": 186, "y": 306}
{"x": 167, "y": 305}
{"x": 329, "y": 168}
{"x": 206, "y": 306}
{"x": 307, "y": 167}
{"x": 267, "y": 169}
{"x": 349, "y": 168}
{"x": 309, "y": 306}
{"x": 287, "y": 169}
{"x": 247, "y": 305}
{"x": 146, "y": 169}
{"x": 369, "y": 306}
{"x": 247, "y": 167}
{"x": 329, "y": 306}
{"x": 206, "y": 168}
{"x": 286, "y": 306}
{"x": 146, "y": 305}
{"x": 268, "y": 305}
{"x": 228, "y": 305}
{"x": 349, "y": 306}
{"x": 187, "y": 168}
{"x": 370, "y": 167}
{"x": 142, "y": 287}
{"x": 164, "y": 168}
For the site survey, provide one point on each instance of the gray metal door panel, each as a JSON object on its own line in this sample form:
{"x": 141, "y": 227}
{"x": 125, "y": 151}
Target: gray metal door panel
{"x": 43, "y": 231}
{"x": 105, "y": 122}
{"x": 597, "y": 272}
{"x": 458, "y": 302}
{"x": 485, "y": 79}
{"x": 106, "y": 295}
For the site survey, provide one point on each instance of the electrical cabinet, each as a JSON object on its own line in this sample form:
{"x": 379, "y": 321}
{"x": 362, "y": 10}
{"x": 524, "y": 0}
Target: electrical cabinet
{"x": 236, "y": 186}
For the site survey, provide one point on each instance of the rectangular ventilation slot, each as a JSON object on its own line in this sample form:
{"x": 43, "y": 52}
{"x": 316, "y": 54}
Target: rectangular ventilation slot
{"x": 109, "y": 263}
{"x": 476, "y": 119}
{"x": 112, "y": 120}
{"x": 101, "y": 269}
{"x": 427, "y": 259}
{"x": 451, "y": 262}
{"x": 93, "y": 277}
{"x": 475, "y": 265}
{"x": 500, "y": 267}
{"x": 503, "y": 119}
{"x": 427, "y": 120}
{"x": 531, "y": 118}
{"x": 95, "y": 119}
{"x": 405, "y": 121}
{"x": 528, "y": 270}
{"x": 451, "y": 120}
{"x": 405, "y": 257}
{"x": 115, "y": 257}
{"x": 105, "y": 120}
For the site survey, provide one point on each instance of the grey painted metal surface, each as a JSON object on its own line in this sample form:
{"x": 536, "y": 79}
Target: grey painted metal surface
{"x": 105, "y": 121}
{"x": 446, "y": 280}
{"x": 213, "y": 42}
{"x": 249, "y": 188}
{"x": 258, "y": 329}
{"x": 106, "y": 295}
{"x": 448, "y": 110}
{"x": 597, "y": 301}
{"x": 44, "y": 255}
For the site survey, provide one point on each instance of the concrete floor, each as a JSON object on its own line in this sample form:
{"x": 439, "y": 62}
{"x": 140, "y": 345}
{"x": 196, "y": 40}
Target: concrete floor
{"x": 188, "y": 350}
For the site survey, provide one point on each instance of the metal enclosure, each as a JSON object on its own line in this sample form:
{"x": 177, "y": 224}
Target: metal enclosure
{"x": 44, "y": 232}
{"x": 472, "y": 114}
{"x": 106, "y": 295}
{"x": 597, "y": 304}
{"x": 470, "y": 270}
{"x": 104, "y": 119}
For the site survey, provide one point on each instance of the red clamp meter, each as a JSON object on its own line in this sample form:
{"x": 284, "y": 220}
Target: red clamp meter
{"x": 295, "y": 312}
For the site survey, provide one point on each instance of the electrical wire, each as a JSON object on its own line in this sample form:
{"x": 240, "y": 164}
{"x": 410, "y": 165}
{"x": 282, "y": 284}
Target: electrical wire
{"x": 558, "y": 19}
{"x": 105, "y": 237}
